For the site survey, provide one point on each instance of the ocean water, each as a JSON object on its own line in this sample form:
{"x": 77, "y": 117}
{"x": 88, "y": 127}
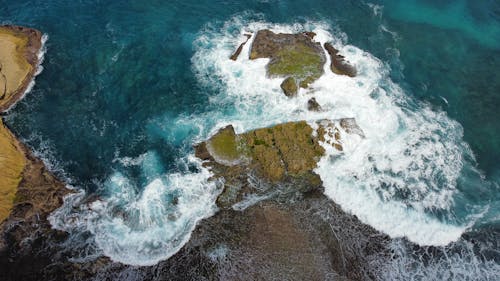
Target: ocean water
{"x": 128, "y": 87}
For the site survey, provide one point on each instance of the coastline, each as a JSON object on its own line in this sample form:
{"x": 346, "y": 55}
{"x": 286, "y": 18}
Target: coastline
{"x": 32, "y": 191}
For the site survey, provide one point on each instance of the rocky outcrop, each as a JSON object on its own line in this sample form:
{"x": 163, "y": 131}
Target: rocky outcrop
{"x": 38, "y": 194}
{"x": 307, "y": 239}
{"x": 338, "y": 63}
{"x": 283, "y": 155}
{"x": 291, "y": 55}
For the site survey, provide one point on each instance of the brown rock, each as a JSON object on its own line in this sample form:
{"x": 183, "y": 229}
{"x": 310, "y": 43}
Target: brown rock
{"x": 19, "y": 47}
{"x": 351, "y": 127}
{"x": 339, "y": 65}
{"x": 310, "y": 34}
{"x": 289, "y": 87}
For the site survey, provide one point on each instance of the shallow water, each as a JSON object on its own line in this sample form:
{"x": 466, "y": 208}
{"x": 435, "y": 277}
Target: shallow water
{"x": 128, "y": 87}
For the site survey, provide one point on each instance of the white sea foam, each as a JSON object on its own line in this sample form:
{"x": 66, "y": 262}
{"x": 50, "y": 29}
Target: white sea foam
{"x": 459, "y": 261}
{"x": 401, "y": 178}
{"x": 142, "y": 227}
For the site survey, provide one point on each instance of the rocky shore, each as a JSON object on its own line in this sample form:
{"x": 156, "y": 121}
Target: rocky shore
{"x": 274, "y": 221}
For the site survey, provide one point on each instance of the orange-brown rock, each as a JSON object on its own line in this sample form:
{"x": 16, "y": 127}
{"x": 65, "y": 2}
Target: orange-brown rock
{"x": 19, "y": 47}
{"x": 12, "y": 164}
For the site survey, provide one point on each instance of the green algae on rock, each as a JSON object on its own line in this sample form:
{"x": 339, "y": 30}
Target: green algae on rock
{"x": 292, "y": 55}
{"x": 283, "y": 155}
{"x": 225, "y": 146}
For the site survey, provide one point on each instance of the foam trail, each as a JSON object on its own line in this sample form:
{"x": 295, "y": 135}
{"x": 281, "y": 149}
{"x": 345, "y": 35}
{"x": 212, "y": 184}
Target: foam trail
{"x": 401, "y": 178}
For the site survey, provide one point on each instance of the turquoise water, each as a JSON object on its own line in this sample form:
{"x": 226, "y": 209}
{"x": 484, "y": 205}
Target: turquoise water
{"x": 129, "y": 86}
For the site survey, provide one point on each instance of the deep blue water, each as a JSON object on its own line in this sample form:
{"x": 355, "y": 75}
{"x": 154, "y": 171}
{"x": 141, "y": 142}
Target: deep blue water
{"x": 119, "y": 77}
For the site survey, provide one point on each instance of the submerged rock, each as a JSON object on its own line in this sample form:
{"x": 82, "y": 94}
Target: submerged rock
{"x": 339, "y": 65}
{"x": 285, "y": 154}
{"x": 291, "y": 55}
